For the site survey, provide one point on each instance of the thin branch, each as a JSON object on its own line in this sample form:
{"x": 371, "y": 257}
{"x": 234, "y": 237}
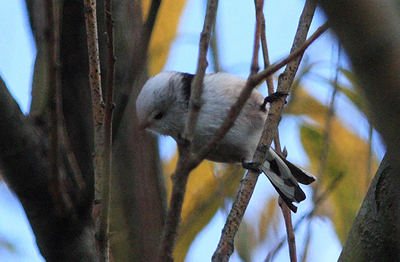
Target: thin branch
{"x": 263, "y": 38}
{"x": 306, "y": 243}
{"x": 285, "y": 82}
{"x": 103, "y": 235}
{"x": 179, "y": 179}
{"x": 293, "y": 55}
{"x": 317, "y": 203}
{"x": 323, "y": 159}
{"x": 214, "y": 50}
{"x": 290, "y": 236}
{"x": 255, "y": 67}
{"x": 225, "y": 246}
{"x": 251, "y": 83}
{"x": 197, "y": 84}
{"x": 98, "y": 112}
{"x": 185, "y": 162}
{"x": 97, "y": 97}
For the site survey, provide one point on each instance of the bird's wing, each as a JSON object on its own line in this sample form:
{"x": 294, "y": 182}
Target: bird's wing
{"x": 285, "y": 176}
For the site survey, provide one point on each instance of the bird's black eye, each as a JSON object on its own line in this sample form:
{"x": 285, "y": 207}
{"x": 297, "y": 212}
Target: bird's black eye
{"x": 159, "y": 116}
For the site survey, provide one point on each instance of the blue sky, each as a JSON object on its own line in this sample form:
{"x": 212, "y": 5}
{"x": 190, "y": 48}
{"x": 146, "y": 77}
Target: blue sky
{"x": 235, "y": 25}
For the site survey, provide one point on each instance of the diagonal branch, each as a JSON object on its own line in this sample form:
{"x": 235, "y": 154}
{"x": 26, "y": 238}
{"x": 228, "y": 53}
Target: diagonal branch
{"x": 225, "y": 246}
{"x": 251, "y": 83}
{"x": 197, "y": 84}
{"x": 98, "y": 120}
{"x": 24, "y": 162}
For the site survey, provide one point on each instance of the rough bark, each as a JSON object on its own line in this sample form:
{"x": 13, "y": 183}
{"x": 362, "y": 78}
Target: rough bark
{"x": 374, "y": 235}
{"x": 24, "y": 151}
{"x": 138, "y": 200}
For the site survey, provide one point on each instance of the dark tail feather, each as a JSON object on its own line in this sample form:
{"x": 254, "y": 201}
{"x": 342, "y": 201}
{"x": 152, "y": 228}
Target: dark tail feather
{"x": 301, "y": 175}
{"x": 284, "y": 177}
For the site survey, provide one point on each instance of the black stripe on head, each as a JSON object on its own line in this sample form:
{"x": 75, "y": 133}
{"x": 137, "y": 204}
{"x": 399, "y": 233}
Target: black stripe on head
{"x": 186, "y": 85}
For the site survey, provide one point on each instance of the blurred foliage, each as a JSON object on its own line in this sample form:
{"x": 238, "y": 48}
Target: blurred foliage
{"x": 164, "y": 32}
{"x": 208, "y": 187}
{"x": 5, "y": 244}
{"x": 348, "y": 154}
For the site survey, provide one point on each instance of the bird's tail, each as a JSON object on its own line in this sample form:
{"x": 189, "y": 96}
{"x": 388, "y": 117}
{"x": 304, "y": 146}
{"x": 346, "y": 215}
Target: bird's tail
{"x": 285, "y": 177}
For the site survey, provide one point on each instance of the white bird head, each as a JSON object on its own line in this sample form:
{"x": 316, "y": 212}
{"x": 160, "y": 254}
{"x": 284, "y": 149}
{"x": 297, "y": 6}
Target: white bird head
{"x": 162, "y": 104}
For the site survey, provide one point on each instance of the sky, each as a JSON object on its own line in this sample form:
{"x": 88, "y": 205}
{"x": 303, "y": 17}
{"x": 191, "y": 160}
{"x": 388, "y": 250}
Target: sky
{"x": 235, "y": 30}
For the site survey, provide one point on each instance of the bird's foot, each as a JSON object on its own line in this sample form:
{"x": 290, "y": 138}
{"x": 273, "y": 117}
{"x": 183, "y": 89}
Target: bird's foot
{"x": 252, "y": 166}
{"x": 272, "y": 97}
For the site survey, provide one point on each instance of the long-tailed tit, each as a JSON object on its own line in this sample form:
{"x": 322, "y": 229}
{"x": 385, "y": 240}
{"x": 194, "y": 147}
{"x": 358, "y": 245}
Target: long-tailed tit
{"x": 162, "y": 107}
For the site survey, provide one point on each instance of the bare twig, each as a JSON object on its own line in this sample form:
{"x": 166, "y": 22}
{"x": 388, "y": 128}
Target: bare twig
{"x": 197, "y": 84}
{"x": 291, "y": 238}
{"x": 185, "y": 162}
{"x": 214, "y": 50}
{"x": 293, "y": 55}
{"x": 98, "y": 113}
{"x": 252, "y": 82}
{"x": 97, "y": 97}
{"x": 179, "y": 179}
{"x": 323, "y": 159}
{"x": 103, "y": 235}
{"x": 309, "y": 215}
{"x": 285, "y": 81}
{"x": 226, "y": 244}
{"x": 255, "y": 67}
{"x": 263, "y": 38}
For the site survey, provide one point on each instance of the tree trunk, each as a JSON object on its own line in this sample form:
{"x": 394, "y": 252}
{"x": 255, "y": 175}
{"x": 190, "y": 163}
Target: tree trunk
{"x": 374, "y": 235}
{"x": 369, "y": 32}
{"x": 61, "y": 218}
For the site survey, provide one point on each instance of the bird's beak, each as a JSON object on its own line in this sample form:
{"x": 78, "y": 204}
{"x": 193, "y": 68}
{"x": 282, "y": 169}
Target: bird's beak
{"x": 144, "y": 125}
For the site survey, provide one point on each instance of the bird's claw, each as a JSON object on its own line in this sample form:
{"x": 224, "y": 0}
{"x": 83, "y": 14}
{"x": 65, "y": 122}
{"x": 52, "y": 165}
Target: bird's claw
{"x": 252, "y": 166}
{"x": 273, "y": 97}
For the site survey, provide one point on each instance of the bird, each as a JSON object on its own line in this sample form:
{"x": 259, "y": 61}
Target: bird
{"x": 162, "y": 107}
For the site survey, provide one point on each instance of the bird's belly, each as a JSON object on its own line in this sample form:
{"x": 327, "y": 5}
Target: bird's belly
{"x": 230, "y": 149}
{"x": 226, "y": 153}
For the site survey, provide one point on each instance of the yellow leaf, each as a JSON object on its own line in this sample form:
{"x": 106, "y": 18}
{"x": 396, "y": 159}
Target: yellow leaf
{"x": 205, "y": 194}
{"x": 164, "y": 32}
{"x": 348, "y": 155}
{"x": 269, "y": 218}
{"x": 245, "y": 241}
